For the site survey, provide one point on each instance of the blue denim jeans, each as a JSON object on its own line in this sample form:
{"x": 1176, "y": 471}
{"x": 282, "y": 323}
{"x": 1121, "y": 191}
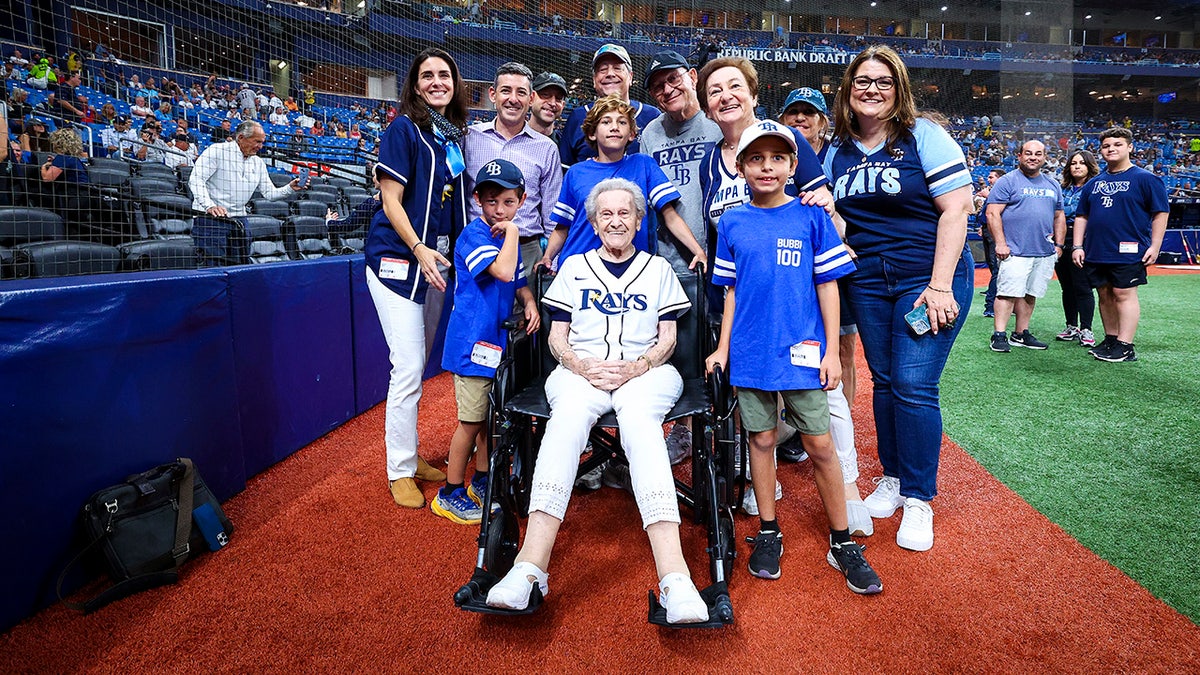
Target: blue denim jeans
{"x": 906, "y": 368}
{"x": 993, "y": 264}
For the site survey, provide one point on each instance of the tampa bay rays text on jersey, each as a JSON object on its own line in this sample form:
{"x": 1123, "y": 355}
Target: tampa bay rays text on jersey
{"x": 611, "y": 304}
{"x": 674, "y": 160}
{"x": 1107, "y": 188}
{"x": 868, "y": 178}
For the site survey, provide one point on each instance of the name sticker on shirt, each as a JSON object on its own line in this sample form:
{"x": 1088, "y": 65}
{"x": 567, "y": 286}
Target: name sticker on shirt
{"x": 486, "y": 354}
{"x": 393, "y": 268}
{"x": 1128, "y": 247}
{"x": 807, "y": 354}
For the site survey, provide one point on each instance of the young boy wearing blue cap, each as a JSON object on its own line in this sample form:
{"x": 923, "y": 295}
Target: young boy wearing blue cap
{"x": 780, "y": 261}
{"x": 488, "y": 276}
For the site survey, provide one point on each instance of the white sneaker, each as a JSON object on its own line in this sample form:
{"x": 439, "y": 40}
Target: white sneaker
{"x": 750, "y": 504}
{"x": 884, "y": 501}
{"x": 916, "y": 528}
{"x": 678, "y": 595}
{"x": 859, "y": 518}
{"x": 679, "y": 443}
{"x": 513, "y": 591}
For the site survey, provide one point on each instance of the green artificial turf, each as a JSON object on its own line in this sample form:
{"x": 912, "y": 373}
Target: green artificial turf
{"x": 1108, "y": 451}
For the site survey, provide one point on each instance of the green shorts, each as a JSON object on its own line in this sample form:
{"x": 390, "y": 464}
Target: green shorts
{"x": 808, "y": 409}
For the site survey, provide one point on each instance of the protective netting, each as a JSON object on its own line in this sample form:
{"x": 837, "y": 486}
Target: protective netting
{"x": 97, "y": 172}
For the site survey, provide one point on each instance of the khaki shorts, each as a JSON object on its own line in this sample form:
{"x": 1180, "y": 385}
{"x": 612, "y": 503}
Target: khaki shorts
{"x": 808, "y": 409}
{"x": 471, "y": 395}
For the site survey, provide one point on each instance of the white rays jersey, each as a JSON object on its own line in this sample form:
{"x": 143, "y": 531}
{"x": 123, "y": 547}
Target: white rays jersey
{"x": 615, "y": 318}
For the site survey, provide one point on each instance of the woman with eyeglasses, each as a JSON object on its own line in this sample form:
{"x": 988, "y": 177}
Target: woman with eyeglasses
{"x": 421, "y": 186}
{"x": 902, "y": 185}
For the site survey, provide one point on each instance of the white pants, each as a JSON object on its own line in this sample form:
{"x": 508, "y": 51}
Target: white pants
{"x": 403, "y": 323}
{"x": 841, "y": 427}
{"x": 640, "y": 405}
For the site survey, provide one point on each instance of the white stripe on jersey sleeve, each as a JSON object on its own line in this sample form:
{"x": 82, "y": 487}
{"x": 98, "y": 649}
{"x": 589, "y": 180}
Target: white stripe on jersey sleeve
{"x": 393, "y": 173}
{"x": 724, "y": 268}
{"x": 943, "y": 167}
{"x": 842, "y": 257}
{"x": 956, "y": 176}
{"x": 564, "y": 212}
{"x": 474, "y": 257}
{"x": 660, "y": 192}
{"x": 817, "y": 181}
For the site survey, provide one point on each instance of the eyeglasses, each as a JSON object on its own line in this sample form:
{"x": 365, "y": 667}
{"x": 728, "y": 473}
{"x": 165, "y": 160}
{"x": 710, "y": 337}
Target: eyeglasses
{"x": 862, "y": 82}
{"x": 673, "y": 80}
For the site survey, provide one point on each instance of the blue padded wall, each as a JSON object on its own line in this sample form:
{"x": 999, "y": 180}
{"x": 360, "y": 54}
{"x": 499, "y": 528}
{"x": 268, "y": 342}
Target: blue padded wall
{"x": 371, "y": 365}
{"x": 293, "y": 351}
{"x": 101, "y": 378}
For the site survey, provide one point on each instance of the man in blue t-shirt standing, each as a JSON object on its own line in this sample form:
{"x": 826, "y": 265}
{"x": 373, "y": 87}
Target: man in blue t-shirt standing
{"x": 1119, "y": 229}
{"x": 612, "y": 73}
{"x": 1025, "y": 218}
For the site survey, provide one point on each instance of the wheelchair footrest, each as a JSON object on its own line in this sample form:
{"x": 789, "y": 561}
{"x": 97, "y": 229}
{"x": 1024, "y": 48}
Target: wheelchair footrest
{"x": 720, "y": 609}
{"x": 472, "y": 597}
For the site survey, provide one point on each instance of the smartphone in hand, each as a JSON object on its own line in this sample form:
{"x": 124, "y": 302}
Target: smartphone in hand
{"x": 918, "y": 319}
{"x": 305, "y": 179}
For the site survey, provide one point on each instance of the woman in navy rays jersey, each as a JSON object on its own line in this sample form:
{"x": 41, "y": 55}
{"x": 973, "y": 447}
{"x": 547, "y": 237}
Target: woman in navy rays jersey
{"x": 728, "y": 91}
{"x": 421, "y": 186}
{"x": 902, "y": 186}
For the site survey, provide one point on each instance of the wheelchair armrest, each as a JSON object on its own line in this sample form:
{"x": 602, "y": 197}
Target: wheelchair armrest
{"x": 514, "y": 322}
{"x": 721, "y": 392}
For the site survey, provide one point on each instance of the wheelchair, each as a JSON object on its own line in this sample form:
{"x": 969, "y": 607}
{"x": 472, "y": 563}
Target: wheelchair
{"x": 519, "y": 412}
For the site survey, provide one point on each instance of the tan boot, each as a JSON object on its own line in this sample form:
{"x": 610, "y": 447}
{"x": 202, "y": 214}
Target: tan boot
{"x": 426, "y": 472}
{"x": 406, "y": 493}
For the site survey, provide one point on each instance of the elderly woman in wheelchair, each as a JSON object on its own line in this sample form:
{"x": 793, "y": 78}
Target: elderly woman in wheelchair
{"x": 613, "y": 330}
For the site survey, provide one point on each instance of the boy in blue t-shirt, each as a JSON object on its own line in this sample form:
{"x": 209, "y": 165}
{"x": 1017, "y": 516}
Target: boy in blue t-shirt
{"x": 1119, "y": 228}
{"x": 488, "y": 275}
{"x": 610, "y": 126}
{"x": 780, "y": 261}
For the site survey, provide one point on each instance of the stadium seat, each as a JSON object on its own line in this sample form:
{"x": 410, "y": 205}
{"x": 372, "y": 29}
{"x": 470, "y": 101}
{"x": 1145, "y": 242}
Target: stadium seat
{"x": 185, "y": 173}
{"x": 281, "y": 179}
{"x": 266, "y": 239}
{"x": 21, "y": 225}
{"x": 170, "y": 254}
{"x": 339, "y": 182}
{"x": 162, "y": 171}
{"x": 110, "y": 163}
{"x": 171, "y": 228}
{"x": 267, "y": 207}
{"x": 312, "y": 236}
{"x": 355, "y": 196}
{"x": 305, "y": 207}
{"x": 70, "y": 258}
{"x": 143, "y": 187}
{"x": 13, "y": 264}
{"x": 109, "y": 177}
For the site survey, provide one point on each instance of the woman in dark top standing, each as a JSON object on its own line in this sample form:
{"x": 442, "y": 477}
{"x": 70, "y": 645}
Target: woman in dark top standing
{"x": 1079, "y": 304}
{"x": 421, "y": 183}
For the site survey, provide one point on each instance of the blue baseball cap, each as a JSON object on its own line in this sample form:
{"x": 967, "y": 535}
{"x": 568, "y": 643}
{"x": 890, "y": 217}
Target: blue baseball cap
{"x": 612, "y": 50}
{"x": 806, "y": 95}
{"x": 501, "y": 172}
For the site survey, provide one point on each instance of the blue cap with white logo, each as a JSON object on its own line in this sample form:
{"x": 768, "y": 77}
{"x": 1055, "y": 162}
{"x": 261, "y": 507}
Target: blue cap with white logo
{"x": 806, "y": 95}
{"x": 501, "y": 172}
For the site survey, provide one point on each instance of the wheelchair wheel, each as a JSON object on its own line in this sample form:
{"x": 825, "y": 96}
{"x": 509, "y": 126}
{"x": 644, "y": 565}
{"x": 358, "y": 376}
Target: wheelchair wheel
{"x": 726, "y": 529}
{"x": 503, "y": 537}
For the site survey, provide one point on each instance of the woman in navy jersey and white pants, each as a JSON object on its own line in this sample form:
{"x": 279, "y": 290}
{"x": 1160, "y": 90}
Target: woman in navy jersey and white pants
{"x": 901, "y": 184}
{"x": 420, "y": 174}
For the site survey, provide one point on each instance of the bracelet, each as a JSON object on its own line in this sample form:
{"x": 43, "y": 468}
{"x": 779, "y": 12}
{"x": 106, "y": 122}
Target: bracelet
{"x": 938, "y": 290}
{"x": 645, "y": 358}
{"x": 1076, "y": 248}
{"x": 419, "y": 243}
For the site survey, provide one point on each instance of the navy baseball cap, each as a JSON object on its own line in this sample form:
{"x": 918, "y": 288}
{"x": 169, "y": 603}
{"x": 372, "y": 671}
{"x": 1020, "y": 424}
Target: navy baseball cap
{"x": 806, "y": 95}
{"x": 612, "y": 50}
{"x": 665, "y": 60}
{"x": 544, "y": 80}
{"x": 501, "y": 172}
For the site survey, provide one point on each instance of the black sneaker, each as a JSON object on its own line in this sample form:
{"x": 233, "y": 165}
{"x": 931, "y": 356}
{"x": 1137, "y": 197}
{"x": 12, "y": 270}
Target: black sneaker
{"x": 792, "y": 450}
{"x": 764, "y": 559}
{"x": 1000, "y": 342}
{"x": 1121, "y": 352}
{"x": 1026, "y": 339}
{"x": 848, "y": 559}
{"x": 1105, "y": 345}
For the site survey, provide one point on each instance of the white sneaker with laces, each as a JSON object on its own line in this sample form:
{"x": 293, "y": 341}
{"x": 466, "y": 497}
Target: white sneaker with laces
{"x": 678, "y": 595}
{"x": 884, "y": 501}
{"x": 513, "y": 591}
{"x": 750, "y": 503}
{"x": 859, "y": 519}
{"x": 916, "y": 528}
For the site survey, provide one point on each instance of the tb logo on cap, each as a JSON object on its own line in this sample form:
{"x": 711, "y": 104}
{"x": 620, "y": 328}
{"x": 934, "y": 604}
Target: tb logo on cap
{"x": 493, "y": 169}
